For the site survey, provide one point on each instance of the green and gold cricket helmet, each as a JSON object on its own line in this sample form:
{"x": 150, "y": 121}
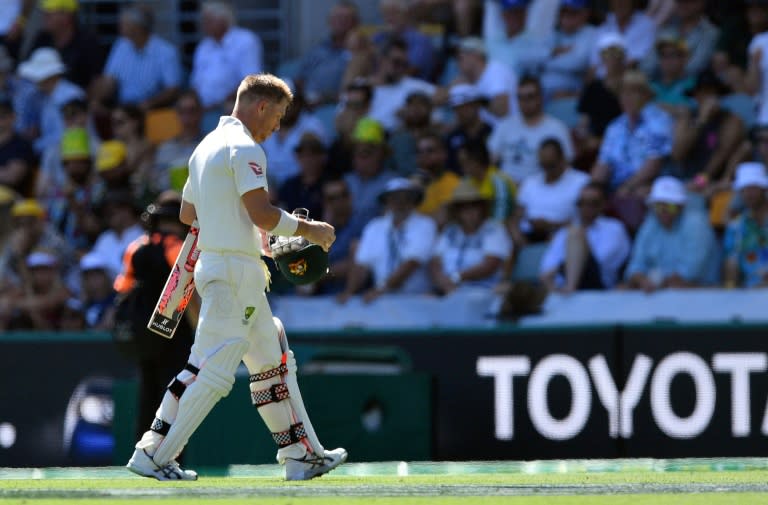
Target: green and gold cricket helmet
{"x": 304, "y": 264}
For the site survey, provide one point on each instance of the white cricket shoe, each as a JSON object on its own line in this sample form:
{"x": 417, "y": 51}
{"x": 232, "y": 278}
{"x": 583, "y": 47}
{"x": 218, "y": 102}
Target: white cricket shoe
{"x": 311, "y": 466}
{"x": 142, "y": 464}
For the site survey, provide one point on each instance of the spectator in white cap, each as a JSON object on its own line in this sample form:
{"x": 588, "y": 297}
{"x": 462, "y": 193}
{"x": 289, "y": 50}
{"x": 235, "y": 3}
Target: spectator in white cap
{"x": 492, "y": 79}
{"x": 466, "y": 102}
{"x": 46, "y": 70}
{"x": 599, "y": 100}
{"x": 394, "y": 248}
{"x": 675, "y": 246}
{"x": 745, "y": 242}
{"x": 636, "y": 28}
{"x": 98, "y": 297}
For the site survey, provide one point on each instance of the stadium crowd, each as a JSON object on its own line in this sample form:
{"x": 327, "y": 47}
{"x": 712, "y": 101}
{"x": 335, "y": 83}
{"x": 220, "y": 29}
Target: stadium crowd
{"x": 584, "y": 144}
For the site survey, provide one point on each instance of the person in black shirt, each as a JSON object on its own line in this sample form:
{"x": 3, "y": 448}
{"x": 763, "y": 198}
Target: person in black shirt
{"x": 18, "y": 162}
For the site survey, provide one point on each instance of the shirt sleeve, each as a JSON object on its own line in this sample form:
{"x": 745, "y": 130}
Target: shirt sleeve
{"x": 419, "y": 240}
{"x": 496, "y": 241}
{"x": 616, "y": 247}
{"x": 186, "y": 192}
{"x": 697, "y": 231}
{"x": 554, "y": 255}
{"x": 113, "y": 60}
{"x": 249, "y": 164}
{"x": 366, "y": 249}
{"x": 637, "y": 260}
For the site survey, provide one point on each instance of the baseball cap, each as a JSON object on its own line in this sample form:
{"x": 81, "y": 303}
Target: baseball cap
{"x": 513, "y": 4}
{"x": 368, "y": 130}
{"x": 59, "y": 5}
{"x": 750, "y": 173}
{"x": 472, "y": 44}
{"x": 93, "y": 261}
{"x": 399, "y": 184}
{"x": 671, "y": 38}
{"x": 611, "y": 39}
{"x": 667, "y": 189}
{"x": 27, "y": 207}
{"x": 111, "y": 154}
{"x": 75, "y": 144}
{"x": 41, "y": 259}
{"x": 574, "y": 4}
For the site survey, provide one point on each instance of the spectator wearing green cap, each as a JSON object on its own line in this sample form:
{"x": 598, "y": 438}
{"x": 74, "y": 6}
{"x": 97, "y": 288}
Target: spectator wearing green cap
{"x": 70, "y": 203}
{"x": 369, "y": 174}
{"x": 52, "y": 176}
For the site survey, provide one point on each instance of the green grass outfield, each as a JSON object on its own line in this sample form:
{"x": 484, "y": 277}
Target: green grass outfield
{"x": 742, "y": 481}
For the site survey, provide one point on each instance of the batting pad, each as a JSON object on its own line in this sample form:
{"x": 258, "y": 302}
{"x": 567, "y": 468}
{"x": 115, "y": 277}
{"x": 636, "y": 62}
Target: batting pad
{"x": 215, "y": 381}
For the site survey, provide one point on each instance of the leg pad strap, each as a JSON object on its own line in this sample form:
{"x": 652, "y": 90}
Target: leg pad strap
{"x": 177, "y": 388}
{"x": 160, "y": 426}
{"x": 281, "y": 369}
{"x": 290, "y": 436}
{"x": 274, "y": 393}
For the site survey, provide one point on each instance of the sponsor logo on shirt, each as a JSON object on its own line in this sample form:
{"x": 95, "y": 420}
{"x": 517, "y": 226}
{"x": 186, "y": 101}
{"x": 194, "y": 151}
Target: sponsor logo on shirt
{"x": 256, "y": 168}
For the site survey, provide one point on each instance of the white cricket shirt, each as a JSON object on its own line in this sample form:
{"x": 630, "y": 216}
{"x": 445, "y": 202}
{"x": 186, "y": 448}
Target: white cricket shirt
{"x": 225, "y": 165}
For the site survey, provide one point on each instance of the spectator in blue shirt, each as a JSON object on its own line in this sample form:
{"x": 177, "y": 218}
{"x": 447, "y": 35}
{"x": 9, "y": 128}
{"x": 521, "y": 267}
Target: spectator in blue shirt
{"x": 398, "y": 25}
{"x": 322, "y": 67}
{"x": 675, "y": 246}
{"x": 636, "y": 143}
{"x": 566, "y": 69}
{"x": 142, "y": 69}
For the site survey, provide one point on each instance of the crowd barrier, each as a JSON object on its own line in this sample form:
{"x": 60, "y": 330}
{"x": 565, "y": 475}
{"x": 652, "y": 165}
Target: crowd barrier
{"x": 512, "y": 393}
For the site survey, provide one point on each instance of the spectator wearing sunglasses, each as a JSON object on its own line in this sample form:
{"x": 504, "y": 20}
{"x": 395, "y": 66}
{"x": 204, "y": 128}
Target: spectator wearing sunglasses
{"x": 675, "y": 246}
{"x": 588, "y": 253}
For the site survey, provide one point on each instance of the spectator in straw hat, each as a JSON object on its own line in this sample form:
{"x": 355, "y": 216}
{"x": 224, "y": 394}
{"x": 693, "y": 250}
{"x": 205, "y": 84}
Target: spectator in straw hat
{"x": 394, "y": 247}
{"x": 746, "y": 236}
{"x": 675, "y": 246}
{"x": 45, "y": 68}
{"x": 472, "y": 248}
{"x": 590, "y": 251}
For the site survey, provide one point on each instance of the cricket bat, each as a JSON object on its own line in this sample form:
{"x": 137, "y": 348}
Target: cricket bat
{"x": 178, "y": 289}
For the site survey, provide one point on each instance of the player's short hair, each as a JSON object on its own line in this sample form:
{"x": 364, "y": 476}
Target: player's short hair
{"x": 256, "y": 87}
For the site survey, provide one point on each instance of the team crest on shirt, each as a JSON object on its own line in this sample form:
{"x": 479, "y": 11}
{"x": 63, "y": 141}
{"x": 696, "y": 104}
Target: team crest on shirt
{"x": 256, "y": 168}
{"x": 298, "y": 267}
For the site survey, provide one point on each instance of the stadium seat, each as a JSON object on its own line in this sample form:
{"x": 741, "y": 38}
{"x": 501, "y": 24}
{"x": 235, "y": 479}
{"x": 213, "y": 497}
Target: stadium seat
{"x": 527, "y": 262}
{"x": 718, "y": 208}
{"x": 161, "y": 125}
